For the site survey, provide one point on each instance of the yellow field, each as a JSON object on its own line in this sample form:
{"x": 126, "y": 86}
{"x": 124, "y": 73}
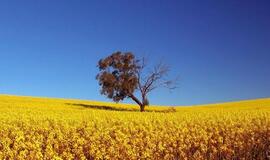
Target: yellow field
{"x": 40, "y": 128}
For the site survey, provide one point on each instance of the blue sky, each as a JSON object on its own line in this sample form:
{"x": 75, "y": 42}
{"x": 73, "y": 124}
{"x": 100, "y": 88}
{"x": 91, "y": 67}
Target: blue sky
{"x": 220, "y": 49}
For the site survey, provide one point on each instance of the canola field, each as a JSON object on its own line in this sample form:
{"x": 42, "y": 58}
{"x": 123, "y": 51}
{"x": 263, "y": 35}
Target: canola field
{"x": 43, "y": 128}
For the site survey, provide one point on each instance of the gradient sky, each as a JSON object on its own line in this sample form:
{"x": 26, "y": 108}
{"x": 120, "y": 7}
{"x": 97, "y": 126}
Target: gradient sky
{"x": 220, "y": 49}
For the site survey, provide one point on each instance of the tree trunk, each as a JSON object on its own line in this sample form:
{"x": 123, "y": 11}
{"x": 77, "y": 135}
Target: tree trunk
{"x": 144, "y": 102}
{"x": 142, "y": 108}
{"x": 138, "y": 102}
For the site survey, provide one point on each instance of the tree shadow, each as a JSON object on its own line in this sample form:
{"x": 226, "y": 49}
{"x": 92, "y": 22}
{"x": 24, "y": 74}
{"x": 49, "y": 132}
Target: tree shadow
{"x": 110, "y": 108}
{"x": 102, "y": 107}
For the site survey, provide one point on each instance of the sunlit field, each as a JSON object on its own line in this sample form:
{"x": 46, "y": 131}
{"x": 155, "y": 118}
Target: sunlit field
{"x": 41, "y": 128}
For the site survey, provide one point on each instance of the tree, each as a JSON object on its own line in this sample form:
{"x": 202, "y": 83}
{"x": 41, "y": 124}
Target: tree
{"x": 121, "y": 75}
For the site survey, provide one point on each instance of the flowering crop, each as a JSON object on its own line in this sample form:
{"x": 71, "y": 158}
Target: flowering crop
{"x": 39, "y": 128}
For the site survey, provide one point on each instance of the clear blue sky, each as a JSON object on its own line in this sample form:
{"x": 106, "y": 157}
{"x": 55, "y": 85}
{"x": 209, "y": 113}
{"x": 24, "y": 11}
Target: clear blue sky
{"x": 220, "y": 49}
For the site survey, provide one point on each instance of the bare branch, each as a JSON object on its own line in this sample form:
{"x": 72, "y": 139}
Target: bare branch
{"x": 139, "y": 73}
{"x": 154, "y": 80}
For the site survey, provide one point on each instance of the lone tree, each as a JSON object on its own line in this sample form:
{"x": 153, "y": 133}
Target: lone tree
{"x": 121, "y": 75}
